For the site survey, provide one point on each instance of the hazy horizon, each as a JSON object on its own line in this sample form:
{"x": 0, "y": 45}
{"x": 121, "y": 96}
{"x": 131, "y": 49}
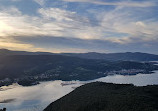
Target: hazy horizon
{"x": 76, "y": 52}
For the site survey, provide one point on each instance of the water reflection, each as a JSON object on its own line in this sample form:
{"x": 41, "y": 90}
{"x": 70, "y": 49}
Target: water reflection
{"x": 36, "y": 98}
{"x": 137, "y": 80}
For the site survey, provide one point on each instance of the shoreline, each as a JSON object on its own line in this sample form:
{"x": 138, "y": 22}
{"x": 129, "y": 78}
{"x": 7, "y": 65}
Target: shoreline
{"x": 39, "y": 82}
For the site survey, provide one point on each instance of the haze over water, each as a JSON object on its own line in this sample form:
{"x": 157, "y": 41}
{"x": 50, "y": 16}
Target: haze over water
{"x": 36, "y": 98}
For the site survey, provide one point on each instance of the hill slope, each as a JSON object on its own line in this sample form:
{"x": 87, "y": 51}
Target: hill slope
{"x": 129, "y": 56}
{"x": 108, "y": 97}
{"x": 4, "y": 52}
{"x": 67, "y": 68}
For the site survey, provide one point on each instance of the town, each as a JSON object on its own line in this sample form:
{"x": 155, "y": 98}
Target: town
{"x": 34, "y": 80}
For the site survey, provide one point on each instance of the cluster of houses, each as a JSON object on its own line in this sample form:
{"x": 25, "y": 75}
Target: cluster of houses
{"x": 5, "y": 81}
{"x": 125, "y": 72}
{"x": 41, "y": 77}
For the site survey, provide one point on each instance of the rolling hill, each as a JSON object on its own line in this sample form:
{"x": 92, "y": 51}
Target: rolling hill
{"x": 127, "y": 56}
{"x": 64, "y": 67}
{"x": 101, "y": 96}
{"x": 29, "y": 67}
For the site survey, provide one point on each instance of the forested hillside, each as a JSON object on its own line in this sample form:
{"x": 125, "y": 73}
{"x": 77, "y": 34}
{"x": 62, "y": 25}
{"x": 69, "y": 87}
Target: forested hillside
{"x": 100, "y": 96}
{"x": 64, "y": 67}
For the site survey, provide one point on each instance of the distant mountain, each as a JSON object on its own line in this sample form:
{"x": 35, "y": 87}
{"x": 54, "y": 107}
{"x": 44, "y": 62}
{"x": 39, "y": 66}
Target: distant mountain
{"x": 4, "y": 52}
{"x": 101, "y": 96}
{"x": 21, "y": 65}
{"x": 129, "y": 56}
{"x": 59, "y": 67}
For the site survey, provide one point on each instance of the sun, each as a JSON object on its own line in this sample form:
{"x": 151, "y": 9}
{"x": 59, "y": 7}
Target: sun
{"x": 4, "y": 28}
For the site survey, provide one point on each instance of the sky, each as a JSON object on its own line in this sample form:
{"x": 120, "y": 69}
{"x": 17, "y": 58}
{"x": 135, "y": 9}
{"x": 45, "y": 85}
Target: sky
{"x": 106, "y": 26}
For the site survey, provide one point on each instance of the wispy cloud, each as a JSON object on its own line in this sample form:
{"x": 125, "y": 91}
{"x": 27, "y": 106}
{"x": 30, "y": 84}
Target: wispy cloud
{"x": 57, "y": 14}
{"x": 51, "y": 22}
{"x": 15, "y": 0}
{"x": 40, "y": 2}
{"x": 117, "y": 3}
{"x": 59, "y": 22}
{"x": 12, "y": 44}
{"x": 118, "y": 26}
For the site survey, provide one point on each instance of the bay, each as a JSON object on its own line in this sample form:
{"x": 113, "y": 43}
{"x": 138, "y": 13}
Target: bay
{"x": 36, "y": 98}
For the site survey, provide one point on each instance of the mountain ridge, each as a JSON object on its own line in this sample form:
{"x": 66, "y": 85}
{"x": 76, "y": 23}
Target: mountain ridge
{"x": 128, "y": 56}
{"x": 33, "y": 68}
{"x": 12, "y": 52}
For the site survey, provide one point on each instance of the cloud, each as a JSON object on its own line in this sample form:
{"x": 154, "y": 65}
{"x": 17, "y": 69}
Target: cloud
{"x": 40, "y": 2}
{"x": 15, "y": 24}
{"x": 116, "y": 3}
{"x": 62, "y": 44}
{"x": 118, "y": 26}
{"x": 57, "y": 14}
{"x": 127, "y": 23}
{"x": 15, "y": 0}
{"x": 52, "y": 22}
{"x": 12, "y": 44}
{"x": 64, "y": 23}
{"x": 11, "y": 0}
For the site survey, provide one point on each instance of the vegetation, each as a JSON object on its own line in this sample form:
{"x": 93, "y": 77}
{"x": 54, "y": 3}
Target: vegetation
{"x": 4, "y": 109}
{"x": 29, "y": 69}
{"x": 127, "y": 56}
{"x": 63, "y": 67}
{"x": 101, "y": 96}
